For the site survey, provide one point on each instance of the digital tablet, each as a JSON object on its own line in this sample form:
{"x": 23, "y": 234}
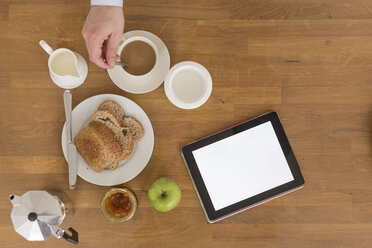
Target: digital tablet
{"x": 242, "y": 166}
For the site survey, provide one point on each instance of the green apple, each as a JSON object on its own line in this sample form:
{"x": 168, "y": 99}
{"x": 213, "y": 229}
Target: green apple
{"x": 164, "y": 194}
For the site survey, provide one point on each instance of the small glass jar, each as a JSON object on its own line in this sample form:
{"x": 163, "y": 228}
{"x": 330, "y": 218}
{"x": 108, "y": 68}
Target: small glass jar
{"x": 114, "y": 196}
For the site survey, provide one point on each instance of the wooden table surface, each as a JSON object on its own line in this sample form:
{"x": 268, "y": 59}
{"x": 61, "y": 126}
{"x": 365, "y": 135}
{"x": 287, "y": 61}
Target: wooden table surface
{"x": 311, "y": 61}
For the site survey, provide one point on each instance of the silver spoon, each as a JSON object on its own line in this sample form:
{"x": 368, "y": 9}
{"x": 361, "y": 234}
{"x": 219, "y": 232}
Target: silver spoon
{"x": 118, "y": 63}
{"x": 121, "y": 64}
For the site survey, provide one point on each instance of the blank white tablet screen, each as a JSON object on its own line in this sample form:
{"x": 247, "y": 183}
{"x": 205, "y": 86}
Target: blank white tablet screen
{"x": 243, "y": 165}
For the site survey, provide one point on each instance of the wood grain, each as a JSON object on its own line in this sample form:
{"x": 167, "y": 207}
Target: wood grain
{"x": 308, "y": 60}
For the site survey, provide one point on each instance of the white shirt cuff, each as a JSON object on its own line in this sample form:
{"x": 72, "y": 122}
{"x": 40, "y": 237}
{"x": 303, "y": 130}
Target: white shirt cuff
{"x": 118, "y": 3}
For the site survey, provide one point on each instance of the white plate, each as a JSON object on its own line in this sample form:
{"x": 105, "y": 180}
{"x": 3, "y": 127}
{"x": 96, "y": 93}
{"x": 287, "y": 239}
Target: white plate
{"x": 150, "y": 81}
{"x": 128, "y": 169}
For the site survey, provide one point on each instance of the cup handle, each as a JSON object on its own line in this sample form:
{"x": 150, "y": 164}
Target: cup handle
{"x": 46, "y": 47}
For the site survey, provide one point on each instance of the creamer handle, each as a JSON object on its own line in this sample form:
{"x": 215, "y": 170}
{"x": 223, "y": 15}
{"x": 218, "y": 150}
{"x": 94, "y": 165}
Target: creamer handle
{"x": 46, "y": 47}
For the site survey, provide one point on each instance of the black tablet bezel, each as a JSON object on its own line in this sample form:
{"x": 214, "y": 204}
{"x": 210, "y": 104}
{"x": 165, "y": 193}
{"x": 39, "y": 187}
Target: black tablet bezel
{"x": 211, "y": 213}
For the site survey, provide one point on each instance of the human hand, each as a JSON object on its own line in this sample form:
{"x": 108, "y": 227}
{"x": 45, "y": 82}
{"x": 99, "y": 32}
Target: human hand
{"x": 102, "y": 32}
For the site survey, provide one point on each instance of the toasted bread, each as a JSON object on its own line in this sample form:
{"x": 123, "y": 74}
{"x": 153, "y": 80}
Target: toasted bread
{"x": 98, "y": 145}
{"x": 109, "y": 138}
{"x": 123, "y": 134}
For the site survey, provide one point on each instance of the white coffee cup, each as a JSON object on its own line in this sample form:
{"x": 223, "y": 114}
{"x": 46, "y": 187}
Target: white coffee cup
{"x": 147, "y": 41}
{"x": 188, "y": 85}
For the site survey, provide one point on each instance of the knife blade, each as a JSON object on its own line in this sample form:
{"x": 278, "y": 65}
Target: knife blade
{"x": 71, "y": 148}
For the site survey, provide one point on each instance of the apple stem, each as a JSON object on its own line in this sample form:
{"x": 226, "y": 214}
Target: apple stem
{"x": 163, "y": 193}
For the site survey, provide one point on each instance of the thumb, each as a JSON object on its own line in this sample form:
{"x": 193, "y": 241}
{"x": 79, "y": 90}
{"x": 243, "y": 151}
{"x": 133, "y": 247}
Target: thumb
{"x": 112, "y": 46}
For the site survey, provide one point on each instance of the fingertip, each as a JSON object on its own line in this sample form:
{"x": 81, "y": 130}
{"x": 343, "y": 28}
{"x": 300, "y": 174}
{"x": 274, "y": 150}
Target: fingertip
{"x": 111, "y": 57}
{"x": 100, "y": 63}
{"x": 106, "y": 66}
{"x": 111, "y": 62}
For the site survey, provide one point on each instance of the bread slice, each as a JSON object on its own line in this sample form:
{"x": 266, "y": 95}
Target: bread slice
{"x": 106, "y": 117}
{"x": 123, "y": 134}
{"x": 113, "y": 107}
{"x": 135, "y": 127}
{"x": 98, "y": 145}
{"x": 108, "y": 139}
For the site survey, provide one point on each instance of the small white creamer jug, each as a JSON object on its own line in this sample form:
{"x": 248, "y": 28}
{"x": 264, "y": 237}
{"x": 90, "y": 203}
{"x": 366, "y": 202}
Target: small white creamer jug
{"x": 67, "y": 69}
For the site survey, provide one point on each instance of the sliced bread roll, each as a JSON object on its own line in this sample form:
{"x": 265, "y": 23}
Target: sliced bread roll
{"x": 98, "y": 145}
{"x": 113, "y": 107}
{"x": 135, "y": 127}
{"x": 109, "y": 138}
{"x": 123, "y": 134}
{"x": 106, "y": 117}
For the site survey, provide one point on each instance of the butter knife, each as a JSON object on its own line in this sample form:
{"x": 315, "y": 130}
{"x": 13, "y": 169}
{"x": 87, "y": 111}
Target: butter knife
{"x": 71, "y": 148}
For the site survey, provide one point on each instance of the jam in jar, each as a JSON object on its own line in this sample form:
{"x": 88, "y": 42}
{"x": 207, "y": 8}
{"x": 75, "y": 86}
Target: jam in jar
{"x": 119, "y": 204}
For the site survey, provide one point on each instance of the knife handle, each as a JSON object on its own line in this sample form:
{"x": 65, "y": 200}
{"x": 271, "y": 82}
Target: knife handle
{"x": 72, "y": 186}
{"x": 67, "y": 99}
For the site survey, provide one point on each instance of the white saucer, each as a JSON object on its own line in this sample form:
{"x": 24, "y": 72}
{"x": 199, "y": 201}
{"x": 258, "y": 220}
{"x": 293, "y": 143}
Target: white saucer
{"x": 150, "y": 81}
{"x": 140, "y": 156}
